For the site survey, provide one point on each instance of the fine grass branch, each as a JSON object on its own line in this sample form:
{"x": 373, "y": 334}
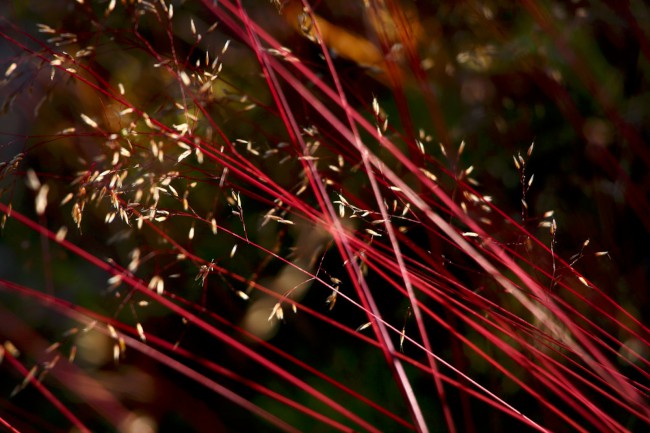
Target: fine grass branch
{"x": 289, "y": 225}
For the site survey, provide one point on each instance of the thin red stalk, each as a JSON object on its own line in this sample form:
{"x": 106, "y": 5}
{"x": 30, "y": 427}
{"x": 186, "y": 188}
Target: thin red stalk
{"x": 74, "y": 311}
{"x": 395, "y": 330}
{"x": 392, "y": 328}
{"x": 95, "y": 395}
{"x": 492, "y": 338}
{"x": 586, "y": 346}
{"x": 321, "y": 195}
{"x": 565, "y": 103}
{"x": 314, "y": 79}
{"x": 105, "y": 88}
{"x": 67, "y": 413}
{"x": 285, "y": 355}
{"x": 581, "y": 315}
{"x": 457, "y": 212}
{"x": 247, "y": 382}
{"x": 247, "y": 172}
{"x": 8, "y": 426}
{"x": 398, "y": 84}
{"x": 336, "y": 324}
{"x": 64, "y": 306}
{"x": 69, "y": 309}
{"x": 358, "y": 144}
{"x": 295, "y": 360}
{"x": 562, "y": 262}
{"x": 181, "y": 368}
{"x": 464, "y": 245}
{"x": 433, "y": 106}
{"x": 204, "y": 381}
{"x": 192, "y": 318}
{"x": 524, "y": 343}
{"x": 572, "y": 310}
{"x": 107, "y": 267}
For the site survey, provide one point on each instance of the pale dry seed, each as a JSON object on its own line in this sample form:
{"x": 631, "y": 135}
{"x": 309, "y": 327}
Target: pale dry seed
{"x": 530, "y": 149}
{"x": 112, "y": 331}
{"x": 363, "y": 326}
{"x": 61, "y": 233}
{"x": 41, "y": 199}
{"x": 73, "y": 354}
{"x": 141, "y": 332}
{"x": 516, "y": 162}
{"x": 32, "y": 180}
{"x": 10, "y": 70}
{"x": 90, "y": 122}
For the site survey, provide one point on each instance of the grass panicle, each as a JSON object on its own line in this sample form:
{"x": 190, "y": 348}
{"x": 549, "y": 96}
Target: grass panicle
{"x": 334, "y": 216}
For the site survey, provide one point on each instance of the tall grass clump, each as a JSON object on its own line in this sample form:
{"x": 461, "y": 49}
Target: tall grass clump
{"x": 381, "y": 215}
